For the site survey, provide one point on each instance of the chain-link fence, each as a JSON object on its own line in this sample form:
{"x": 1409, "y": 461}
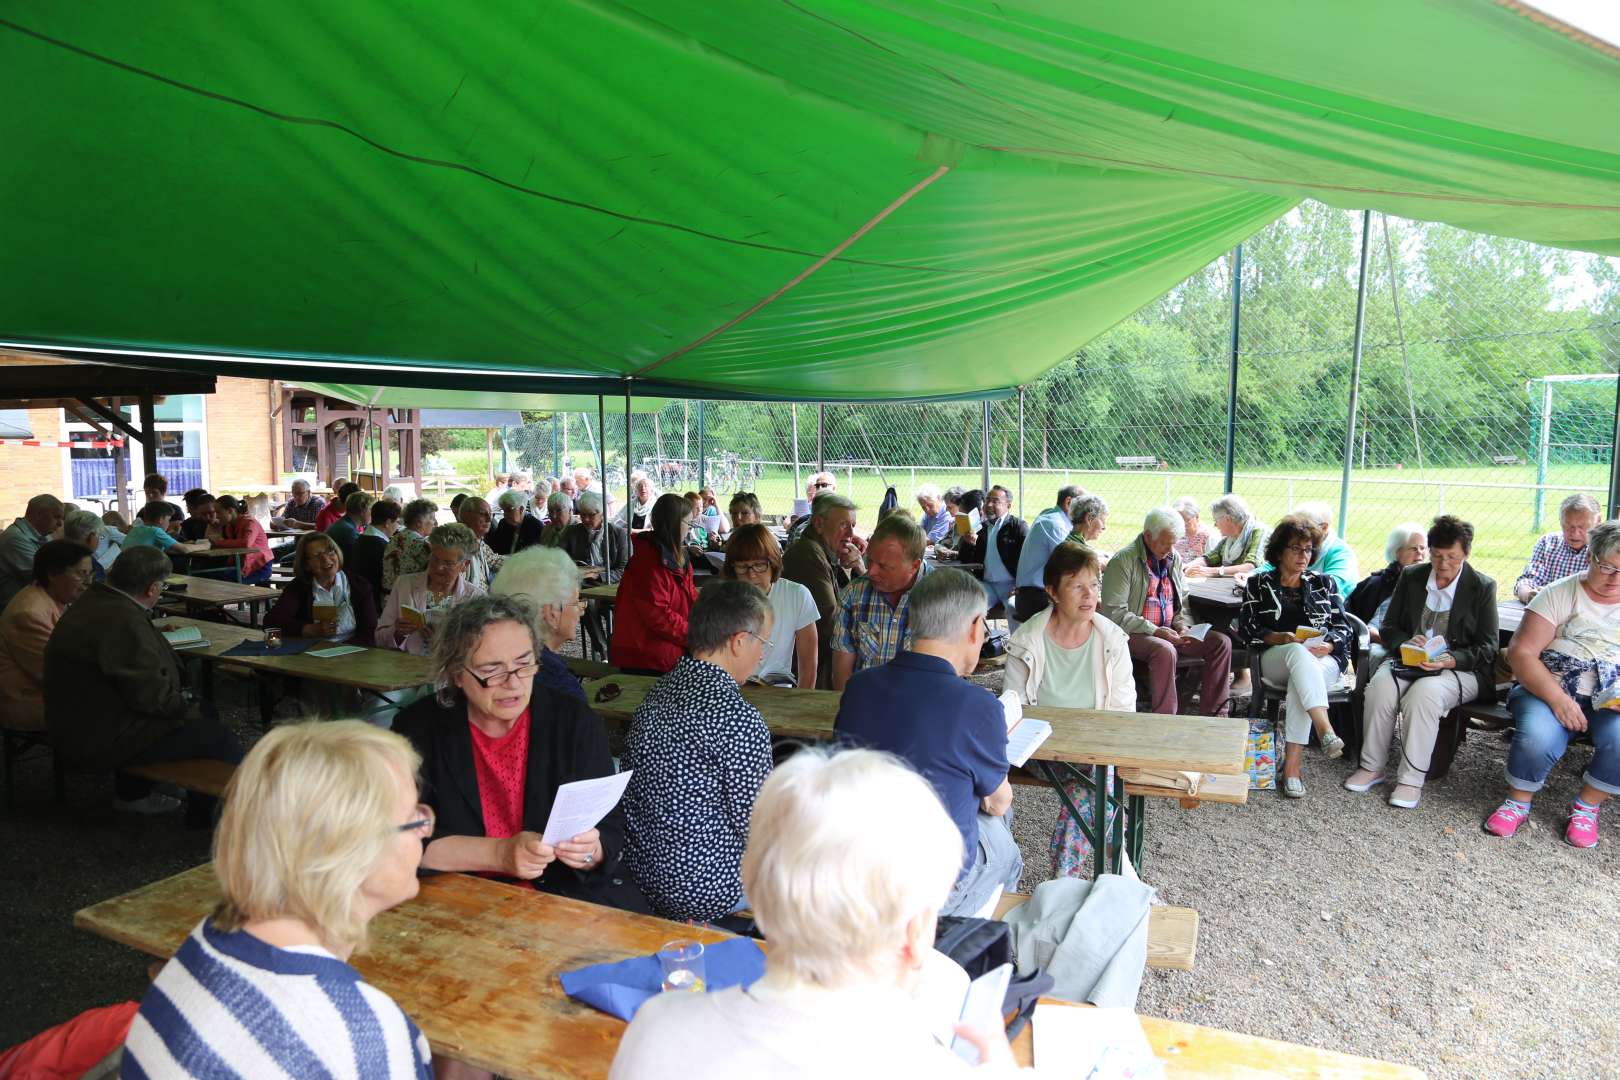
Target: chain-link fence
{"x": 1487, "y": 389}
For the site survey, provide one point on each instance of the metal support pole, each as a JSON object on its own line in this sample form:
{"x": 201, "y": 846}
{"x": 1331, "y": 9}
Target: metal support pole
{"x": 798, "y": 480}
{"x": 1020, "y": 449}
{"x": 149, "y": 446}
{"x": 556, "y": 446}
{"x": 1355, "y": 370}
{"x": 821, "y": 438}
{"x": 1543, "y": 446}
{"x": 601, "y": 447}
{"x": 703, "y": 455}
{"x": 985, "y": 471}
{"x": 1232, "y": 375}
{"x": 629, "y": 488}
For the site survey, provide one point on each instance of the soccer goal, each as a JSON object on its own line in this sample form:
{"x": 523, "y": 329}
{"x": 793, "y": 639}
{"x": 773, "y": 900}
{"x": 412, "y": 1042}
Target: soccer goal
{"x": 1572, "y": 425}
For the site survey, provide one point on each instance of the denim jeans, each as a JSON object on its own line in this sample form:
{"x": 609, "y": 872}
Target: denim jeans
{"x": 1539, "y": 741}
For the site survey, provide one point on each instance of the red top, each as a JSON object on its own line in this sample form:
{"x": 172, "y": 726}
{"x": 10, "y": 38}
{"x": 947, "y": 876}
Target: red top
{"x": 502, "y": 765}
{"x": 329, "y": 513}
{"x": 247, "y": 533}
{"x": 651, "y": 612}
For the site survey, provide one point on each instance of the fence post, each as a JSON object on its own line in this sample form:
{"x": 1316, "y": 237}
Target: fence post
{"x": 703, "y": 457}
{"x": 1232, "y": 376}
{"x": 849, "y": 479}
{"x": 821, "y": 438}
{"x": 798, "y": 481}
{"x": 985, "y": 470}
{"x": 1167, "y": 489}
{"x": 1021, "y": 450}
{"x": 914, "y": 479}
{"x": 1355, "y": 370}
{"x": 1290, "y": 494}
{"x": 1614, "y": 458}
{"x": 1442, "y": 498}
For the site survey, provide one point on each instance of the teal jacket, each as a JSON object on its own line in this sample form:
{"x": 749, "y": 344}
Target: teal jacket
{"x": 1337, "y": 561}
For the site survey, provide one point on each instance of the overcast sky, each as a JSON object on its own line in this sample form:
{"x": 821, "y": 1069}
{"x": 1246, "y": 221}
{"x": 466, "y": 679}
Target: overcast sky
{"x": 1600, "y": 18}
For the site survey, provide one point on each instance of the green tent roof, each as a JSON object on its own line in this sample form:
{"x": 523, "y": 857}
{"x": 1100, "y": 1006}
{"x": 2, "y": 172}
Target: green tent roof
{"x": 407, "y": 397}
{"x": 822, "y": 199}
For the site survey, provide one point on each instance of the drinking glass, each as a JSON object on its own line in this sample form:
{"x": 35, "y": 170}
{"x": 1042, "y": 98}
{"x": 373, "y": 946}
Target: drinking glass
{"x": 682, "y": 962}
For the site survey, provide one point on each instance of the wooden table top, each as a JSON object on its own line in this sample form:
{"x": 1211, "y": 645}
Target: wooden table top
{"x": 476, "y": 964}
{"x": 1212, "y": 744}
{"x": 1509, "y": 614}
{"x": 212, "y": 592}
{"x": 1189, "y": 1051}
{"x": 608, "y": 593}
{"x": 382, "y": 670}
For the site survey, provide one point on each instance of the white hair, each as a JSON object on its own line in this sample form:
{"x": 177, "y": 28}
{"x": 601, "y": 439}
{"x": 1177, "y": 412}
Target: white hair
{"x": 394, "y": 493}
{"x": 588, "y": 503}
{"x": 1398, "y": 536}
{"x": 827, "y": 476}
{"x": 1319, "y": 514}
{"x": 944, "y": 604}
{"x": 845, "y": 849}
{"x": 1187, "y": 505}
{"x": 828, "y": 501}
{"x": 1232, "y": 507}
{"x": 1162, "y": 519}
{"x": 927, "y": 491}
{"x": 545, "y": 575}
{"x": 80, "y": 525}
{"x": 559, "y": 499}
{"x": 1578, "y": 502}
{"x": 513, "y": 499}
{"x": 1604, "y": 540}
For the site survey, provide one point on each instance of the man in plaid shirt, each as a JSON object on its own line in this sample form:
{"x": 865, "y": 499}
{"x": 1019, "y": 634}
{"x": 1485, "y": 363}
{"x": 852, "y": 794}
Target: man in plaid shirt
{"x": 874, "y": 612}
{"x": 1560, "y": 554}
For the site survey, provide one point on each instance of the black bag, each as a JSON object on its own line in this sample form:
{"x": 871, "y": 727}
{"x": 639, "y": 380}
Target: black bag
{"x": 982, "y": 945}
{"x": 995, "y": 644}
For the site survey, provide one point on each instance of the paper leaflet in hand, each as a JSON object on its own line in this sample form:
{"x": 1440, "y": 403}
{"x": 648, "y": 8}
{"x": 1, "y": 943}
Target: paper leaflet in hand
{"x": 580, "y": 805}
{"x": 1426, "y": 653}
{"x": 981, "y": 1009}
{"x": 1098, "y": 1044}
{"x": 1196, "y": 632}
{"x": 1024, "y": 733}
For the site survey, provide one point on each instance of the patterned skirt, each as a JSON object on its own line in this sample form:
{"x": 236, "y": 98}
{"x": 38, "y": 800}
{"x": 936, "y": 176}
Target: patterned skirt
{"x": 1071, "y": 851}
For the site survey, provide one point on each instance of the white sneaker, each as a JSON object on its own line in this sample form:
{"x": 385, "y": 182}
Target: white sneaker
{"x": 1293, "y": 787}
{"x": 151, "y": 804}
{"x": 1332, "y": 745}
{"x": 1405, "y": 796}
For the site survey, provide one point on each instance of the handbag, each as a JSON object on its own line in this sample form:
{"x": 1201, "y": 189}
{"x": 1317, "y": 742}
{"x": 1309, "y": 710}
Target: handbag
{"x": 981, "y": 945}
{"x": 1260, "y": 754}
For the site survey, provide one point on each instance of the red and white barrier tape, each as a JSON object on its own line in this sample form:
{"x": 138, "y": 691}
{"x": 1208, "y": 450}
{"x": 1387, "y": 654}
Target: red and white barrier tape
{"x": 99, "y": 444}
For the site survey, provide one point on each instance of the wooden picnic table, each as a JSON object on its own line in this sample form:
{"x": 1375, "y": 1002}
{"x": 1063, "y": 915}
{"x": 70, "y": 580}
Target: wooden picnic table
{"x": 607, "y": 594}
{"x": 1219, "y": 592}
{"x": 1509, "y": 614}
{"x": 203, "y": 594}
{"x": 1080, "y": 738}
{"x": 476, "y": 963}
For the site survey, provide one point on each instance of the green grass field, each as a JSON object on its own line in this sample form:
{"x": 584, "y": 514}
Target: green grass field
{"x": 1497, "y": 500}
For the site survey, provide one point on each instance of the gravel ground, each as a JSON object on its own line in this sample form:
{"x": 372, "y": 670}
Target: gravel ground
{"x": 1336, "y": 921}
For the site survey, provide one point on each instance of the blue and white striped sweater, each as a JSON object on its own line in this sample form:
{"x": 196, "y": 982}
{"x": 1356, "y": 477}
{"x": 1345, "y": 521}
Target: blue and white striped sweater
{"x": 229, "y": 1005}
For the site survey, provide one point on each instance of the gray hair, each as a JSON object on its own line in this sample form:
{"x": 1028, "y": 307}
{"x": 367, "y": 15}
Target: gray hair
{"x": 1581, "y": 501}
{"x": 1232, "y": 507}
{"x": 828, "y": 501}
{"x": 1187, "y": 505}
{"x": 420, "y": 510}
{"x": 300, "y": 485}
{"x": 1085, "y": 508}
{"x": 455, "y": 535}
{"x": 723, "y": 610}
{"x": 927, "y": 491}
{"x": 1399, "y": 535}
{"x": 512, "y": 499}
{"x": 954, "y": 493}
{"x": 394, "y": 493}
{"x": 545, "y": 575}
{"x": 138, "y": 569}
{"x": 1603, "y": 540}
{"x": 80, "y": 525}
{"x": 588, "y": 503}
{"x": 944, "y": 605}
{"x": 1162, "y": 519}
{"x": 464, "y": 625}
{"x": 1319, "y": 514}
{"x": 559, "y": 499}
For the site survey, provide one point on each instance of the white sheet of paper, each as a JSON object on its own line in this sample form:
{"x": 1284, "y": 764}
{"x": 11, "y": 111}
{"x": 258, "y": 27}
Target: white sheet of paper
{"x": 1011, "y": 708}
{"x": 1025, "y": 739}
{"x": 335, "y": 650}
{"x": 982, "y": 1008}
{"x": 988, "y": 911}
{"x": 1107, "y": 1044}
{"x": 583, "y": 803}
{"x": 1196, "y": 632}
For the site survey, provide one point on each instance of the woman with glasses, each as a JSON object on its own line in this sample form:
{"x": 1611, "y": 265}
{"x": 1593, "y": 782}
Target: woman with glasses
{"x": 549, "y": 578}
{"x": 1566, "y": 656}
{"x": 656, "y": 593}
{"x": 1278, "y": 604}
{"x": 755, "y": 557}
{"x": 1442, "y": 597}
{"x": 1069, "y": 656}
{"x": 322, "y": 831}
{"x": 496, "y": 744}
{"x": 418, "y": 602}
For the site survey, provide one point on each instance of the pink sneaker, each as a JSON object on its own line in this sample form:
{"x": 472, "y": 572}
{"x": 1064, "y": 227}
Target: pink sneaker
{"x": 1582, "y": 829}
{"x": 1507, "y": 819}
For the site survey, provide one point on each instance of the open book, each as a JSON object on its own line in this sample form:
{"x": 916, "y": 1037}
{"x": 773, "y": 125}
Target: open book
{"x": 184, "y": 637}
{"x": 1305, "y": 633}
{"x": 1024, "y": 733}
{"x": 967, "y": 524}
{"x": 1426, "y": 653}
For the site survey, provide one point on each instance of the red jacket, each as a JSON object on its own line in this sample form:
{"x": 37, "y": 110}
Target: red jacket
{"x": 329, "y": 513}
{"x": 649, "y": 617}
{"x": 247, "y": 533}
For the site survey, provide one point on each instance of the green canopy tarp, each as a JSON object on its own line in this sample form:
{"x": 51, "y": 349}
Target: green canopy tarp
{"x": 815, "y": 199}
{"x": 408, "y": 397}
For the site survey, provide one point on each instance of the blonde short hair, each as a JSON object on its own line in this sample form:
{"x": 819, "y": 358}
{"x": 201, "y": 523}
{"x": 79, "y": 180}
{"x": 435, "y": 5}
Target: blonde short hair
{"x": 844, "y": 849}
{"x": 308, "y": 815}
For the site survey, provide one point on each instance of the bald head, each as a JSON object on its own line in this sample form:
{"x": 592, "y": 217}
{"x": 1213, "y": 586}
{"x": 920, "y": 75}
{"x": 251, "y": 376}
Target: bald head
{"x": 45, "y": 513}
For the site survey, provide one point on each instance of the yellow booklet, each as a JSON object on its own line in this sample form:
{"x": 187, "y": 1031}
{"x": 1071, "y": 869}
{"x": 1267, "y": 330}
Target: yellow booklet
{"x": 410, "y": 616}
{"x": 1305, "y": 633}
{"x": 1418, "y": 655}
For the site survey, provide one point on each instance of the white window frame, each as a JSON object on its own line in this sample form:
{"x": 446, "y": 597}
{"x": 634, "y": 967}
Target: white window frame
{"x": 71, "y": 423}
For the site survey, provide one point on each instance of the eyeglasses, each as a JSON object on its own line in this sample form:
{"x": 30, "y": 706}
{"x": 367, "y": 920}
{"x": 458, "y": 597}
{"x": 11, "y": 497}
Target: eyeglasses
{"x": 1605, "y": 569}
{"x": 523, "y": 671}
{"x": 769, "y": 644}
{"x": 1297, "y": 550}
{"x": 819, "y": 484}
{"x": 422, "y": 820}
{"x": 751, "y": 567}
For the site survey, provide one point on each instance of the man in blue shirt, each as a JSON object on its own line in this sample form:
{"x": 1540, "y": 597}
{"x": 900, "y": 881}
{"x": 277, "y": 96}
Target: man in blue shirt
{"x": 1046, "y": 532}
{"x": 919, "y": 707}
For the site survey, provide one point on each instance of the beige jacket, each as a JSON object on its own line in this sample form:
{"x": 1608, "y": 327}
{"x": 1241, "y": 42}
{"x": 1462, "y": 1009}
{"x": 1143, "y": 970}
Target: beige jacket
{"x": 25, "y": 627}
{"x": 1111, "y": 664}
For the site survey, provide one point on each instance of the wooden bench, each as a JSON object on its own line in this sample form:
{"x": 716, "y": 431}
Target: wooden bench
{"x": 1172, "y": 933}
{"x": 14, "y": 743}
{"x": 202, "y": 775}
{"x": 1137, "y": 462}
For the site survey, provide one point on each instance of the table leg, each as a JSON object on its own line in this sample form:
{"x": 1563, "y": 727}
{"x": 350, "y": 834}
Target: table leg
{"x": 1102, "y": 803}
{"x": 1090, "y": 831}
{"x": 1138, "y": 829}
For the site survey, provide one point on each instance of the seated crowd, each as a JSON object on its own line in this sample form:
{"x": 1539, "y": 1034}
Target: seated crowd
{"x": 919, "y": 807}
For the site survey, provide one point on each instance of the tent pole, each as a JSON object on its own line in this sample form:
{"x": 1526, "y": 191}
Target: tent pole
{"x": 798, "y": 481}
{"x": 1020, "y": 449}
{"x": 1355, "y": 370}
{"x": 149, "y": 446}
{"x": 821, "y": 435}
{"x": 1614, "y": 458}
{"x": 1543, "y": 445}
{"x": 556, "y": 447}
{"x": 703, "y": 457}
{"x": 985, "y": 471}
{"x": 629, "y": 488}
{"x": 1232, "y": 374}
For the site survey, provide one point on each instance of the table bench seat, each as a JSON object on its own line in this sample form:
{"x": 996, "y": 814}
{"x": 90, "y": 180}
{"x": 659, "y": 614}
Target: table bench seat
{"x": 204, "y": 776}
{"x": 1172, "y": 933}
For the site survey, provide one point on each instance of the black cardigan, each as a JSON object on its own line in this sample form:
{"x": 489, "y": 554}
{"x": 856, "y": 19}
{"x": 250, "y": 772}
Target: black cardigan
{"x": 1471, "y": 629}
{"x": 566, "y": 742}
{"x": 1009, "y": 543}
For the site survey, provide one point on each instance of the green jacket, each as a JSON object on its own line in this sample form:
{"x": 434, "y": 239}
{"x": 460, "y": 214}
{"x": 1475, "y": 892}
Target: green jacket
{"x": 1124, "y": 589}
{"x": 1227, "y": 552}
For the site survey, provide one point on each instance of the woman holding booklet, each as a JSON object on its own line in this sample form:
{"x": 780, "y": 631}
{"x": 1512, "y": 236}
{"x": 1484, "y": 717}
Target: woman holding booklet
{"x": 322, "y": 601}
{"x": 496, "y": 745}
{"x": 419, "y": 601}
{"x": 1071, "y": 657}
{"x": 1441, "y": 627}
{"x": 1294, "y": 617}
